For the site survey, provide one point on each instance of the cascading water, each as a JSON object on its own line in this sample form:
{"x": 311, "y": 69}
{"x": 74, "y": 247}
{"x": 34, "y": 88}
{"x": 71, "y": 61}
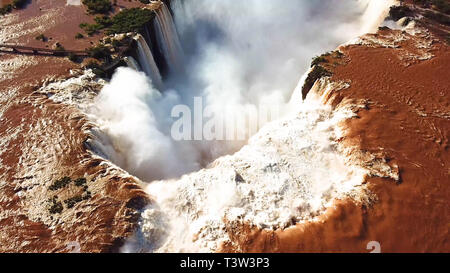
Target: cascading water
{"x": 168, "y": 40}
{"x": 241, "y": 54}
{"x": 132, "y": 63}
{"x": 147, "y": 61}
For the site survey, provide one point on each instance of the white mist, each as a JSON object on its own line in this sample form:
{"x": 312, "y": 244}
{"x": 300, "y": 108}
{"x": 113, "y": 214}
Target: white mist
{"x": 237, "y": 54}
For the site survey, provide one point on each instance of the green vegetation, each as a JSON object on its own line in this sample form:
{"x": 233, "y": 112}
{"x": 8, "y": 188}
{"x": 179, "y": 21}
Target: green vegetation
{"x": 71, "y": 202}
{"x": 99, "y": 52}
{"x": 101, "y": 22}
{"x": 96, "y": 69}
{"x": 339, "y": 54}
{"x": 87, "y": 194}
{"x": 318, "y": 60}
{"x": 72, "y": 57}
{"x": 90, "y": 29}
{"x": 79, "y": 36}
{"x": 59, "y": 47}
{"x": 56, "y": 206}
{"x": 6, "y": 9}
{"x": 60, "y": 183}
{"x": 98, "y": 6}
{"x": 128, "y": 20}
{"x": 317, "y": 73}
{"x": 116, "y": 43}
{"x": 322, "y": 58}
{"x": 80, "y": 182}
{"x": 16, "y": 4}
{"x": 41, "y": 37}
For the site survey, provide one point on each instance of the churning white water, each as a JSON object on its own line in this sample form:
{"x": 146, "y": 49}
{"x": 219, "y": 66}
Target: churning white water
{"x": 237, "y": 55}
{"x": 289, "y": 172}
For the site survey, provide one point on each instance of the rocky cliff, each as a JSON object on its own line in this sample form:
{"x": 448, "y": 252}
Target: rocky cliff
{"x": 396, "y": 81}
{"x": 57, "y": 194}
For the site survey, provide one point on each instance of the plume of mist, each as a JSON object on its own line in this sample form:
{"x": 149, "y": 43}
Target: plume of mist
{"x": 134, "y": 115}
{"x": 238, "y": 55}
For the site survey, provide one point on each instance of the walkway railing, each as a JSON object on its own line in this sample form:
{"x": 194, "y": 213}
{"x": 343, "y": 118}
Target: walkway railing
{"x": 41, "y": 51}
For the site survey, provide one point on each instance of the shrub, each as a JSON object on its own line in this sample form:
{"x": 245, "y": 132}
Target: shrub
{"x": 97, "y": 6}
{"x": 90, "y": 29}
{"x": 59, "y": 47}
{"x": 96, "y": 69}
{"x": 71, "y": 202}
{"x": 80, "y": 182}
{"x": 317, "y": 73}
{"x": 87, "y": 195}
{"x": 99, "y": 52}
{"x": 59, "y": 184}
{"x": 56, "y": 206}
{"x": 103, "y": 21}
{"x": 16, "y": 4}
{"x": 130, "y": 20}
{"x": 41, "y": 37}
{"x": 72, "y": 57}
{"x": 318, "y": 59}
{"x": 79, "y": 36}
{"x": 6, "y": 9}
{"x": 116, "y": 43}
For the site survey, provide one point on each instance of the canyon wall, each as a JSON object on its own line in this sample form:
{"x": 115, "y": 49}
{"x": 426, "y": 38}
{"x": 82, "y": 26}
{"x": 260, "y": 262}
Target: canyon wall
{"x": 381, "y": 115}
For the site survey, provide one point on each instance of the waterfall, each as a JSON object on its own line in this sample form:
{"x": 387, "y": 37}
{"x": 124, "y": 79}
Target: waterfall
{"x": 168, "y": 40}
{"x": 147, "y": 62}
{"x": 375, "y": 14}
{"x": 132, "y": 63}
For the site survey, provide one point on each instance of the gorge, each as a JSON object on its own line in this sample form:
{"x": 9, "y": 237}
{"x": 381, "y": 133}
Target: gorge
{"x": 265, "y": 160}
{"x": 250, "y": 72}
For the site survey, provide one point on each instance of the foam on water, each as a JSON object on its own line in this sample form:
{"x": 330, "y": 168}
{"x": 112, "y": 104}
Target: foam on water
{"x": 290, "y": 171}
